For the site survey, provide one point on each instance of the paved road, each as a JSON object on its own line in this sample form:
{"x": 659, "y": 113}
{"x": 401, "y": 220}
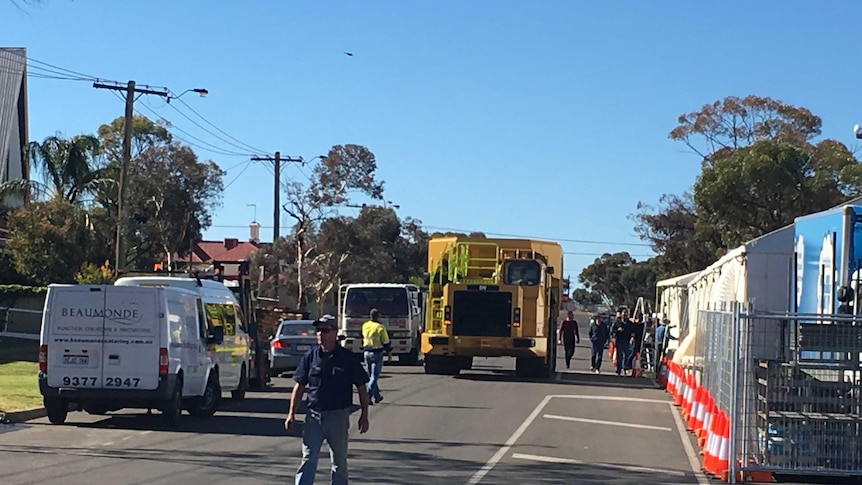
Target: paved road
{"x": 484, "y": 426}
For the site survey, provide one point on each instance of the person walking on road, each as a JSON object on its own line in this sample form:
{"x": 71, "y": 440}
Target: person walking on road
{"x": 622, "y": 332}
{"x": 568, "y": 335}
{"x": 599, "y": 336}
{"x": 328, "y": 372}
{"x": 375, "y": 341}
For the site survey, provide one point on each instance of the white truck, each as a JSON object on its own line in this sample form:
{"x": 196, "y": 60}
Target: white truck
{"x": 400, "y": 307}
{"x": 104, "y": 348}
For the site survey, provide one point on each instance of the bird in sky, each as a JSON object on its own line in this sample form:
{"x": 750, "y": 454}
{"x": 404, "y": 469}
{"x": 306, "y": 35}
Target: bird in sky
{"x": 349, "y": 54}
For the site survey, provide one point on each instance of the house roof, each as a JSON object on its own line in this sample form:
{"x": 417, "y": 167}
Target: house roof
{"x": 224, "y": 251}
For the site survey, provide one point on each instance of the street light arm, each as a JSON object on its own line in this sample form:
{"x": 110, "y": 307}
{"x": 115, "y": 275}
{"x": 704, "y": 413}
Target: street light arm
{"x": 201, "y": 91}
{"x": 304, "y": 161}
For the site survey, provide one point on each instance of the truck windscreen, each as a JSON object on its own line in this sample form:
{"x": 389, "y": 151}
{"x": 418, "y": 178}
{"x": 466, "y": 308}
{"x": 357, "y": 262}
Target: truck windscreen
{"x": 391, "y": 302}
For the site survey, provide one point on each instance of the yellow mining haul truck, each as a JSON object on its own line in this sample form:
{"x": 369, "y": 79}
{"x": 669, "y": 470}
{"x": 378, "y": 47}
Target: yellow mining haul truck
{"x": 492, "y": 298}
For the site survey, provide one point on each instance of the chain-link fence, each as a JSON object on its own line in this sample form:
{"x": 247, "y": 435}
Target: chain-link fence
{"x": 789, "y": 385}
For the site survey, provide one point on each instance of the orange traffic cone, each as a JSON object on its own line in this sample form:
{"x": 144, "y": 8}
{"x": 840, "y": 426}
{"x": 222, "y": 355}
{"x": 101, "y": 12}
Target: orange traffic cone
{"x": 722, "y": 464}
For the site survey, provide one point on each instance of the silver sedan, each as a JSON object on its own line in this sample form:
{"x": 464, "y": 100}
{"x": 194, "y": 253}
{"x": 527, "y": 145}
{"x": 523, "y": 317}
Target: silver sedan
{"x": 291, "y": 341}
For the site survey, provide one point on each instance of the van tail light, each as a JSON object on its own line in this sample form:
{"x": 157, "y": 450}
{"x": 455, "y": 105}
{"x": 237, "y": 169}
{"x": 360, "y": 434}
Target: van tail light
{"x": 163, "y": 361}
{"x": 43, "y": 358}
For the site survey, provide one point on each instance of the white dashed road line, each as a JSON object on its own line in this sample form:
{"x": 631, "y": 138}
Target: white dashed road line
{"x": 568, "y": 461}
{"x": 609, "y": 423}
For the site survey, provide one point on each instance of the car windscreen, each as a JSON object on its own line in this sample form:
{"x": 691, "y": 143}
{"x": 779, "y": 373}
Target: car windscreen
{"x": 391, "y": 302}
{"x": 296, "y": 330}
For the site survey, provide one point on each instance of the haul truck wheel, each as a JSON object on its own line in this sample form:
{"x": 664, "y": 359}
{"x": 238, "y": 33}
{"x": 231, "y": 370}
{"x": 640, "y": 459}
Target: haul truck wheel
{"x": 410, "y": 358}
{"x": 530, "y": 367}
{"x": 443, "y": 365}
{"x": 56, "y": 409}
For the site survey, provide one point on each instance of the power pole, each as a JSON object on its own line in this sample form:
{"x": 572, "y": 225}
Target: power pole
{"x": 131, "y": 90}
{"x": 276, "y": 208}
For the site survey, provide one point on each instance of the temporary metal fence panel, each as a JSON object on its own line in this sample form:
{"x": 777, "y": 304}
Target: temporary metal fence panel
{"x": 20, "y": 323}
{"x": 791, "y": 385}
{"x": 805, "y": 416}
{"x": 714, "y": 351}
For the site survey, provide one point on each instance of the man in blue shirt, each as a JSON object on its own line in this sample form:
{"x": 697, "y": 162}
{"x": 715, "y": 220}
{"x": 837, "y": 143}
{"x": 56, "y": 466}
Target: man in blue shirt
{"x": 328, "y": 372}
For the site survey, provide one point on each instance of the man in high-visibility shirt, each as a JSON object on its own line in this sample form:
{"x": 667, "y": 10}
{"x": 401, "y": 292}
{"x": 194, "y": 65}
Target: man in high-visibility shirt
{"x": 375, "y": 341}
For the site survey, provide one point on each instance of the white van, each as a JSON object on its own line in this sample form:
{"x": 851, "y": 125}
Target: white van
{"x": 233, "y": 355}
{"x": 104, "y": 348}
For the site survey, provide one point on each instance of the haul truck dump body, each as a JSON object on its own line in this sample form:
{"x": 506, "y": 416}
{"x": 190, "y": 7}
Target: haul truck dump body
{"x": 492, "y": 298}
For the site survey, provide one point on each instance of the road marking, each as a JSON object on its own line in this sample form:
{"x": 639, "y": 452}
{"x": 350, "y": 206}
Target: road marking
{"x": 610, "y": 423}
{"x": 612, "y": 398}
{"x": 569, "y": 461}
{"x": 480, "y": 474}
{"x": 689, "y": 450}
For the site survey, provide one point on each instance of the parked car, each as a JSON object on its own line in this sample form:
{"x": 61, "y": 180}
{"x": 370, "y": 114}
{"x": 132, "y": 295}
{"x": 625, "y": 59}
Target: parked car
{"x": 291, "y": 341}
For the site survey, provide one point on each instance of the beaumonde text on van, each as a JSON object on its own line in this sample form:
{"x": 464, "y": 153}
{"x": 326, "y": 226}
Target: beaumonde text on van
{"x": 113, "y": 313}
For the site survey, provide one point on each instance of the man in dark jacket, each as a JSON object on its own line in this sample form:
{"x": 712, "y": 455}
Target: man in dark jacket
{"x": 622, "y": 332}
{"x": 568, "y": 335}
{"x": 599, "y": 335}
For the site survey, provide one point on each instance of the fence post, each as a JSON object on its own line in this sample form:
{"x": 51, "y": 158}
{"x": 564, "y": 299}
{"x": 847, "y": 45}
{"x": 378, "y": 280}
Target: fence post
{"x": 734, "y": 391}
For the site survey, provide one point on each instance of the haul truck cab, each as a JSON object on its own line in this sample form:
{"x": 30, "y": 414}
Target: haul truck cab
{"x": 492, "y": 298}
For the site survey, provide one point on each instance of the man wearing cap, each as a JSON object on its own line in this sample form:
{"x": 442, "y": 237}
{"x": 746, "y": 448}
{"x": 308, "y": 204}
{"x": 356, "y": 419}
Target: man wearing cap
{"x": 328, "y": 372}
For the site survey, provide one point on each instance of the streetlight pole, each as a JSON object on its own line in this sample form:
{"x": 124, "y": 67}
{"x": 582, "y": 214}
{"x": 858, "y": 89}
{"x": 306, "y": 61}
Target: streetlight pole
{"x": 131, "y": 90}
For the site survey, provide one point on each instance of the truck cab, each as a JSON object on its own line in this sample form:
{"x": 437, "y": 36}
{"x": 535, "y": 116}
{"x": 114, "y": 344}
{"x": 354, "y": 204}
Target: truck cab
{"x": 400, "y": 312}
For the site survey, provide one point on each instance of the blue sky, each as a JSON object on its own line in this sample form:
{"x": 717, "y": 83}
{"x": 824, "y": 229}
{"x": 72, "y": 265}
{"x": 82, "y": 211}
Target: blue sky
{"x": 545, "y": 119}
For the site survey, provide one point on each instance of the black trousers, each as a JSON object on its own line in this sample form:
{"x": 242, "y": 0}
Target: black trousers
{"x": 570, "y": 350}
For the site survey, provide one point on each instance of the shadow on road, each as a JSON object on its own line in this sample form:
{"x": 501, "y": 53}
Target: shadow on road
{"x": 224, "y": 424}
{"x": 255, "y": 465}
{"x": 433, "y": 406}
{"x": 606, "y": 380}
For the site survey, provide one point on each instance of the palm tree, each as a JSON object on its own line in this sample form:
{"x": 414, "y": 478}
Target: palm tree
{"x": 66, "y": 166}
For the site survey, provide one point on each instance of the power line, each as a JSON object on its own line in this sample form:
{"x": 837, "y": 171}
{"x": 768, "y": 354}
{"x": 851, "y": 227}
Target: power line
{"x": 578, "y": 241}
{"x": 219, "y": 138}
{"x": 569, "y": 253}
{"x": 246, "y": 145}
{"x": 247, "y": 164}
{"x": 212, "y": 148}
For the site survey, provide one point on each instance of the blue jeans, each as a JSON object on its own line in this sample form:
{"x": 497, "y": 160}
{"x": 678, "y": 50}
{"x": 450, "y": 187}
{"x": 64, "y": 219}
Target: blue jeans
{"x": 332, "y": 426}
{"x": 623, "y": 350}
{"x": 596, "y": 354}
{"x": 374, "y": 362}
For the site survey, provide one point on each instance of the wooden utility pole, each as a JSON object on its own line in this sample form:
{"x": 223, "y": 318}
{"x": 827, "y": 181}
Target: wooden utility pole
{"x": 131, "y": 90}
{"x": 276, "y": 207}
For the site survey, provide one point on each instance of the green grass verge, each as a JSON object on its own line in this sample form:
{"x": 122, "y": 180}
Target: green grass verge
{"x": 19, "y": 368}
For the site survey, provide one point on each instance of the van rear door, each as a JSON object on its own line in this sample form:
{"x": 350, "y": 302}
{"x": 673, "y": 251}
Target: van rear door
{"x": 75, "y": 336}
{"x": 133, "y": 320}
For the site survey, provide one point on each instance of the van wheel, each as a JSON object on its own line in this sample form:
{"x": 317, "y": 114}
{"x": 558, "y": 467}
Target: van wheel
{"x": 172, "y": 408}
{"x": 238, "y": 394}
{"x": 56, "y": 409}
{"x": 206, "y": 405}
